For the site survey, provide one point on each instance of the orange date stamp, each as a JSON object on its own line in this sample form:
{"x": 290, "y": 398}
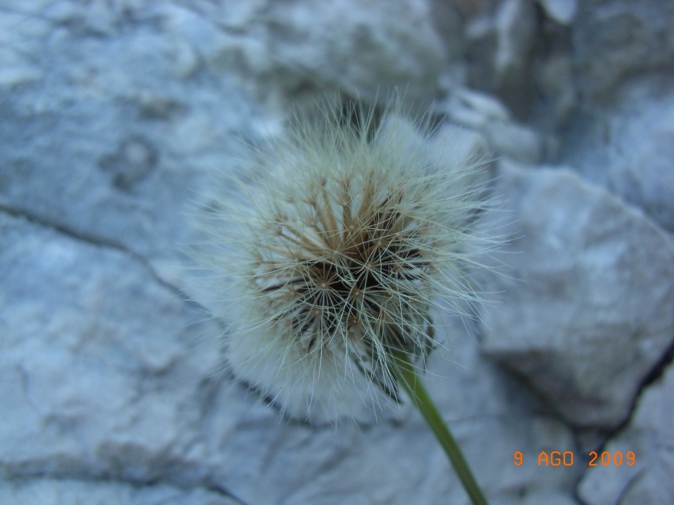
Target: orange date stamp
{"x": 567, "y": 458}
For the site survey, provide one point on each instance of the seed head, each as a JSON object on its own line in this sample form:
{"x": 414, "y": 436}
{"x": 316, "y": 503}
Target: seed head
{"x": 347, "y": 237}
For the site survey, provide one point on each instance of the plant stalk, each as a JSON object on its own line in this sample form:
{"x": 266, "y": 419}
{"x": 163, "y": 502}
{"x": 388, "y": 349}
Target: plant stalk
{"x": 410, "y": 381}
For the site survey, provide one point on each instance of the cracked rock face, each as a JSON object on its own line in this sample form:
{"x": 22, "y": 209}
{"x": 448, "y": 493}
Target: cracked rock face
{"x": 57, "y": 492}
{"x": 88, "y": 380}
{"x": 586, "y": 306}
{"x": 114, "y": 115}
{"x": 649, "y": 437}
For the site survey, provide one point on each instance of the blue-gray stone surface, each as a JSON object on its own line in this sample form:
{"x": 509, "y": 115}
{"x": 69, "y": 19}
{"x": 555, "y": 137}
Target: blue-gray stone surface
{"x": 116, "y": 115}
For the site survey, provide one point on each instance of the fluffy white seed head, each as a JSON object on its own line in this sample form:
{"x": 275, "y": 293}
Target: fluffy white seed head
{"x": 335, "y": 254}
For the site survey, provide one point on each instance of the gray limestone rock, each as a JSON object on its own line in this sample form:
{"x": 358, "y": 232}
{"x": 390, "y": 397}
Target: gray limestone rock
{"x": 500, "y": 44}
{"x": 114, "y": 114}
{"x": 98, "y": 359}
{"x": 111, "y": 128}
{"x": 515, "y": 28}
{"x": 518, "y": 143}
{"x": 615, "y": 39}
{"x": 585, "y": 310}
{"x": 628, "y": 146}
{"x": 562, "y": 11}
{"x": 104, "y": 387}
{"x": 489, "y": 118}
{"x": 66, "y": 491}
{"x": 644, "y": 476}
{"x": 280, "y": 49}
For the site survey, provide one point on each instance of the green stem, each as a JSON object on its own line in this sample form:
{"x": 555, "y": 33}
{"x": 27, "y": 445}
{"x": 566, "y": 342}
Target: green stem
{"x": 406, "y": 375}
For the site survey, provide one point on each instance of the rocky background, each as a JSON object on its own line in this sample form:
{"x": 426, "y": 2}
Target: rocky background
{"x": 115, "y": 113}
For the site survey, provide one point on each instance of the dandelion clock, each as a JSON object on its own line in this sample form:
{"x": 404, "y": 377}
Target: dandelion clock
{"x": 332, "y": 252}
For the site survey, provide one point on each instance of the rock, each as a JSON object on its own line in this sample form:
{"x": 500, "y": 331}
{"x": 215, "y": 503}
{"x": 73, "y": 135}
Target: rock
{"x": 448, "y": 20}
{"x": 366, "y": 48}
{"x": 562, "y": 11}
{"x": 17, "y": 53}
{"x": 501, "y": 53}
{"x": 17, "y": 75}
{"x": 511, "y": 417}
{"x": 185, "y": 59}
{"x": 525, "y": 58}
{"x": 133, "y": 162}
{"x": 88, "y": 380}
{"x": 586, "y": 305}
{"x": 642, "y": 164}
{"x": 555, "y": 81}
{"x": 615, "y": 39}
{"x": 90, "y": 145}
{"x": 491, "y": 119}
{"x": 141, "y": 87}
{"x": 515, "y": 25}
{"x": 105, "y": 391}
{"x": 515, "y": 141}
{"x": 59, "y": 491}
{"x": 282, "y": 50}
{"x": 475, "y": 109}
{"x": 647, "y": 480}
{"x": 114, "y": 114}
{"x": 628, "y": 146}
